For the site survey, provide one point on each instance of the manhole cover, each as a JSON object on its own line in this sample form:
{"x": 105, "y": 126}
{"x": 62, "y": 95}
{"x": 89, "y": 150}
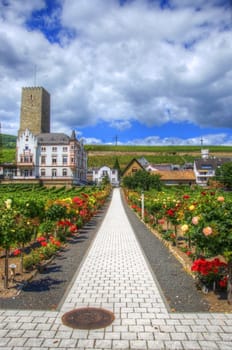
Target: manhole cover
{"x": 88, "y": 318}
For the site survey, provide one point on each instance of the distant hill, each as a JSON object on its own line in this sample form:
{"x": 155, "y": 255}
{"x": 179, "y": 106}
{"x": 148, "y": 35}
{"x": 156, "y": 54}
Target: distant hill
{"x": 8, "y": 141}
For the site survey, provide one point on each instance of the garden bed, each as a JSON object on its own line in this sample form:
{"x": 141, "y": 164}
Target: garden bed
{"x": 217, "y": 300}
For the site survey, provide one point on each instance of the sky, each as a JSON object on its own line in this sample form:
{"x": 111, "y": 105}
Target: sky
{"x": 136, "y": 72}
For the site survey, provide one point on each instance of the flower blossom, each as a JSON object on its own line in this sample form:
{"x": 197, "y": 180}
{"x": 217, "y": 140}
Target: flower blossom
{"x": 8, "y": 203}
{"x": 192, "y": 207}
{"x": 195, "y": 220}
{"x": 223, "y": 282}
{"x": 184, "y": 228}
{"x": 207, "y": 231}
{"x": 220, "y": 199}
{"x": 17, "y": 252}
{"x": 186, "y": 196}
{"x": 41, "y": 239}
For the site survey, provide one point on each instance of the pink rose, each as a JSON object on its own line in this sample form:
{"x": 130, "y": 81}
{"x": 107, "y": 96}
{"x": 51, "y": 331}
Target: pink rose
{"x": 195, "y": 220}
{"x": 207, "y": 231}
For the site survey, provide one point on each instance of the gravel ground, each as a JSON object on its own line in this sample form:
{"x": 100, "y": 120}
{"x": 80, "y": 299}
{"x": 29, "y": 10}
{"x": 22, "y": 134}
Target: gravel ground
{"x": 47, "y": 289}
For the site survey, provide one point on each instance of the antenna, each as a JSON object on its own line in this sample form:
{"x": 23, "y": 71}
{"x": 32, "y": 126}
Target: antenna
{"x": 202, "y": 141}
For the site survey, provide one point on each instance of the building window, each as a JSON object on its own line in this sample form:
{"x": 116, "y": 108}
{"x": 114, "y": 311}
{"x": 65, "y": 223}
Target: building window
{"x": 54, "y": 149}
{"x": 65, "y": 149}
{"x": 43, "y": 149}
{"x": 43, "y": 159}
{"x": 43, "y": 172}
{"x": 72, "y": 160}
{"x": 54, "y": 160}
{"x": 53, "y": 172}
{"x": 64, "y": 172}
{"x": 65, "y": 160}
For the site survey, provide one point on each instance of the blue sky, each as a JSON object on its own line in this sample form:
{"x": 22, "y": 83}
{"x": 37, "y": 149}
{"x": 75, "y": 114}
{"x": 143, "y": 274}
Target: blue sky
{"x": 127, "y": 71}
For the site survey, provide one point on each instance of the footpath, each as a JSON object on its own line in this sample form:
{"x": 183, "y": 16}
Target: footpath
{"x": 116, "y": 276}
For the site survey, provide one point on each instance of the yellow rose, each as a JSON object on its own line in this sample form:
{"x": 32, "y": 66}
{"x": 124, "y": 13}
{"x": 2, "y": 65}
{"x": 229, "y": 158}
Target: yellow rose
{"x": 184, "y": 228}
{"x": 8, "y": 203}
{"x": 192, "y": 207}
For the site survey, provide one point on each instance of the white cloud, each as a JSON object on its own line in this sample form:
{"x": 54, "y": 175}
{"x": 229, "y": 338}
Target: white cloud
{"x": 206, "y": 140}
{"x": 119, "y": 63}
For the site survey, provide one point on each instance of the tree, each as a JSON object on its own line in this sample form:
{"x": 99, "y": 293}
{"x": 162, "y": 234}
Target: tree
{"x": 105, "y": 180}
{"x": 117, "y": 166}
{"x": 142, "y": 180}
{"x": 7, "y": 236}
{"x": 223, "y": 174}
{"x": 24, "y": 231}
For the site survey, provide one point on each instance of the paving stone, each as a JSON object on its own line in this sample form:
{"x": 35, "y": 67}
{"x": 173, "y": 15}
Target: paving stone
{"x": 138, "y": 344}
{"x": 120, "y": 344}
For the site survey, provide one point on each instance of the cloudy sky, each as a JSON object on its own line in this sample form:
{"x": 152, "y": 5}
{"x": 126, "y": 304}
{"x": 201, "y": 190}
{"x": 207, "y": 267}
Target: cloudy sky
{"x": 127, "y": 71}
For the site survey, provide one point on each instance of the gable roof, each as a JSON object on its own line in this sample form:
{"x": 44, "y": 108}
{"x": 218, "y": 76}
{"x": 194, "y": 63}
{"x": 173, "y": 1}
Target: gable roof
{"x": 210, "y": 163}
{"x": 134, "y": 160}
{"x": 176, "y": 175}
{"x": 53, "y": 138}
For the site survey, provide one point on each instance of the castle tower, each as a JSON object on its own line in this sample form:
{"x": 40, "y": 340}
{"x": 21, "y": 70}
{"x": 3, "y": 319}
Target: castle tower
{"x": 35, "y": 110}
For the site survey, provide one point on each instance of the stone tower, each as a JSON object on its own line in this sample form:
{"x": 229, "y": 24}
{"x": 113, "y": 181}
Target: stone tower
{"x": 35, "y": 110}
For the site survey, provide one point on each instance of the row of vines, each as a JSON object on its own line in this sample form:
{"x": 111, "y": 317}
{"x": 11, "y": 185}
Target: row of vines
{"x": 199, "y": 222}
{"x": 36, "y": 221}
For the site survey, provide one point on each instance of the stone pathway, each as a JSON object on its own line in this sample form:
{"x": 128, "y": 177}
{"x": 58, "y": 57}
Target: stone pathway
{"x": 115, "y": 276}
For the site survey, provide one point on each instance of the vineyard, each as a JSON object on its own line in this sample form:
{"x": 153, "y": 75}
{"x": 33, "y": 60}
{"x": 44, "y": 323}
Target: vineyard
{"x": 35, "y": 222}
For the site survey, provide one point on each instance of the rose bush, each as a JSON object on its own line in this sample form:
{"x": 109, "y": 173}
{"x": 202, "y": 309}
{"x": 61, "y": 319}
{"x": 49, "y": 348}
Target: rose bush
{"x": 203, "y": 218}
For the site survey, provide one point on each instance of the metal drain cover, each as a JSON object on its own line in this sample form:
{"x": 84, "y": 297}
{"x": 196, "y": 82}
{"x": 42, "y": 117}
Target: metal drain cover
{"x": 88, "y": 318}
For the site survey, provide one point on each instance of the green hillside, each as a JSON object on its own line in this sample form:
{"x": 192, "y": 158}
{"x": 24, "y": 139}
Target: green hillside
{"x": 8, "y": 141}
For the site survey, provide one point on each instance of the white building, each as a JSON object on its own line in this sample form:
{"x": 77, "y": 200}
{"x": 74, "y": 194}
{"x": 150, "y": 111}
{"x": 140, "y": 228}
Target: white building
{"x": 50, "y": 156}
{"x": 205, "y": 167}
{"x": 105, "y": 172}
